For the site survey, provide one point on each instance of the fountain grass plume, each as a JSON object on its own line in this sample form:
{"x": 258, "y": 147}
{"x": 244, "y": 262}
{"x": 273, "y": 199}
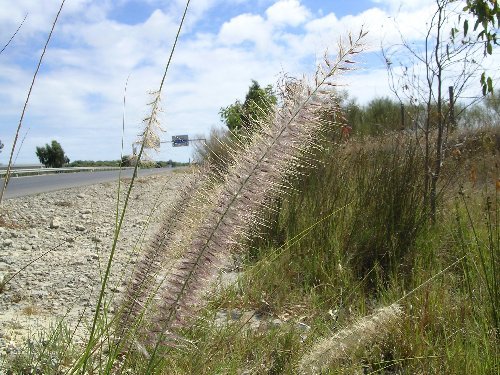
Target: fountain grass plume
{"x": 233, "y": 208}
{"x": 347, "y": 341}
{"x": 146, "y": 273}
{"x": 150, "y": 134}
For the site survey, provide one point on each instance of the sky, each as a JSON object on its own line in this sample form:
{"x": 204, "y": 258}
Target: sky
{"x": 99, "y": 46}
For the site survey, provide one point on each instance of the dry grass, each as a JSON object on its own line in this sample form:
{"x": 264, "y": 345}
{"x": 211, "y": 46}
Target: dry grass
{"x": 30, "y": 310}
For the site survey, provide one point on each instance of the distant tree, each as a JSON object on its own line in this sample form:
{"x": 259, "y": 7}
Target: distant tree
{"x": 1, "y": 145}
{"x": 52, "y": 155}
{"x": 257, "y": 103}
{"x": 382, "y": 114}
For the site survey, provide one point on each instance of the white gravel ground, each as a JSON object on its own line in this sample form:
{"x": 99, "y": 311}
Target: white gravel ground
{"x": 66, "y": 236}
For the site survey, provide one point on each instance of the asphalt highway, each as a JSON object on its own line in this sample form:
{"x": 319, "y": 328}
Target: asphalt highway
{"x": 30, "y": 185}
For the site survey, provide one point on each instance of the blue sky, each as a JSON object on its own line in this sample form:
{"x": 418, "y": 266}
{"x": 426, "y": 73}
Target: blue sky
{"x": 97, "y": 44}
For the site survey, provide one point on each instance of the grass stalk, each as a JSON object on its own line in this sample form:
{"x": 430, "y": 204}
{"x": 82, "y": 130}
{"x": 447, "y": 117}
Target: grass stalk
{"x": 14, "y": 35}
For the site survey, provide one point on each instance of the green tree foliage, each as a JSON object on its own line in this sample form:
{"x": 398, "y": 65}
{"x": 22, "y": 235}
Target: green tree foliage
{"x": 1, "y": 146}
{"x": 487, "y": 19}
{"x": 256, "y": 105}
{"x": 486, "y": 113}
{"x": 487, "y": 15}
{"x": 52, "y": 155}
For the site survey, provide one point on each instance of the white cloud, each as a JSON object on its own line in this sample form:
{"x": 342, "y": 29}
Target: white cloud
{"x": 41, "y": 14}
{"x": 287, "y": 12}
{"x": 246, "y": 28}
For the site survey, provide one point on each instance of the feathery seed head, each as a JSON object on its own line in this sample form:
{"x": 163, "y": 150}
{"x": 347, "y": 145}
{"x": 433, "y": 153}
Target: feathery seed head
{"x": 150, "y": 134}
{"x": 344, "y": 343}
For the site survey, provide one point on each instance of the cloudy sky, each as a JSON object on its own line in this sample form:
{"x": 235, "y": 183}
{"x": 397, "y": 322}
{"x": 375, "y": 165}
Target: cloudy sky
{"x": 97, "y": 44}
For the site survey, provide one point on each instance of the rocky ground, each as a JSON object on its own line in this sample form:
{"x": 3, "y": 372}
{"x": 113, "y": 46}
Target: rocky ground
{"x": 57, "y": 245}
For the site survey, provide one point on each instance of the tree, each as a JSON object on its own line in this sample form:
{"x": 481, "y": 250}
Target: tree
{"x": 426, "y": 75}
{"x": 52, "y": 156}
{"x": 256, "y": 106}
{"x": 1, "y": 145}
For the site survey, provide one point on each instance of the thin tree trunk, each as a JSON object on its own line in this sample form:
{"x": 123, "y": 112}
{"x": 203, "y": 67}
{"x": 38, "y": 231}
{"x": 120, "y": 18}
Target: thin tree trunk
{"x": 440, "y": 124}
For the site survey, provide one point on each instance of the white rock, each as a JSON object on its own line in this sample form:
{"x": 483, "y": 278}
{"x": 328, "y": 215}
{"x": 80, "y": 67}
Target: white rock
{"x": 55, "y": 222}
{"x": 7, "y": 242}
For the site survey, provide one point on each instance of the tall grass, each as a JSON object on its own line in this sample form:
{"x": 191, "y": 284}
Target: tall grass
{"x": 302, "y": 270}
{"x": 450, "y": 268}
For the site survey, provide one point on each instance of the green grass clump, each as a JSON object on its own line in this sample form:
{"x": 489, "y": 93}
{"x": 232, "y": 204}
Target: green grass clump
{"x": 43, "y": 353}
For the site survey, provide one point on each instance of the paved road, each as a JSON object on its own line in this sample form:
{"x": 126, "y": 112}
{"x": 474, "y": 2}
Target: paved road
{"x": 29, "y": 185}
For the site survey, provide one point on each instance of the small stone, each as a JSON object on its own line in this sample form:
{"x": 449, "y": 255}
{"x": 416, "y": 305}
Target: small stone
{"x": 40, "y": 294}
{"x": 276, "y": 322}
{"x": 86, "y": 211}
{"x": 235, "y": 314}
{"x": 55, "y": 222}
{"x": 81, "y": 195}
{"x": 80, "y": 228}
{"x": 7, "y": 242}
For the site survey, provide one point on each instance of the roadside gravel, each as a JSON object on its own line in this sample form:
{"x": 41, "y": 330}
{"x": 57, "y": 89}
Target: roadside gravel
{"x": 66, "y": 236}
